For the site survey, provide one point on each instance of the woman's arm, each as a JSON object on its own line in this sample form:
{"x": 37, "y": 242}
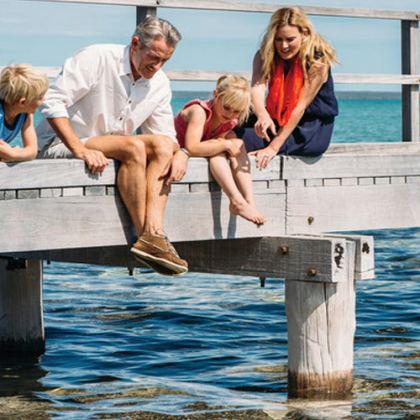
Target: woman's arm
{"x": 317, "y": 76}
{"x": 258, "y": 87}
{"x": 30, "y": 146}
{"x": 195, "y": 117}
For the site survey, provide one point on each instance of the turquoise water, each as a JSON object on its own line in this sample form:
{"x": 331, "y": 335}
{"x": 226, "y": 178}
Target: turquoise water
{"x": 215, "y": 347}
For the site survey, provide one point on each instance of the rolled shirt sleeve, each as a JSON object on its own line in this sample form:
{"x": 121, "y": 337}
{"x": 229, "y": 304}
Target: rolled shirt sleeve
{"x": 161, "y": 121}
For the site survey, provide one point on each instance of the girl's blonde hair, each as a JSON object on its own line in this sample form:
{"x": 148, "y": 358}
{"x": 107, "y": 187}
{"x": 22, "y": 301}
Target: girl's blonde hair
{"x": 313, "y": 47}
{"x": 22, "y": 81}
{"x": 234, "y": 92}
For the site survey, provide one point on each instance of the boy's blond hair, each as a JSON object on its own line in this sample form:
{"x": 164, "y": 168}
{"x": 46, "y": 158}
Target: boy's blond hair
{"x": 235, "y": 92}
{"x": 22, "y": 81}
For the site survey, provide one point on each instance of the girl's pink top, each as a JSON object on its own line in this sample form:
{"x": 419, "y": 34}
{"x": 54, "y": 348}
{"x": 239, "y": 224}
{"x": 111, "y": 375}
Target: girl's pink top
{"x": 181, "y": 125}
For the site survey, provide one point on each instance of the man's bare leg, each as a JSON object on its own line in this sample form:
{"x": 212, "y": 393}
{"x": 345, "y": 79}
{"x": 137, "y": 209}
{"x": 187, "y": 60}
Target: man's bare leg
{"x": 145, "y": 196}
{"x": 159, "y": 151}
{"x": 131, "y": 180}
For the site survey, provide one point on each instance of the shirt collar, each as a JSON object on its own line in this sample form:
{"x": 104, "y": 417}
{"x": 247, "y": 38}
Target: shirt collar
{"x": 125, "y": 66}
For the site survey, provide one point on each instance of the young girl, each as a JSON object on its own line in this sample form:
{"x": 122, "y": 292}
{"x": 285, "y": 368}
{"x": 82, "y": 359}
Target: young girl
{"x": 204, "y": 128}
{"x": 22, "y": 89}
{"x": 297, "y": 116}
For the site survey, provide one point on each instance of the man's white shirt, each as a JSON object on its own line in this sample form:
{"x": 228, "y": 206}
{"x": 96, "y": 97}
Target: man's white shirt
{"x": 96, "y": 91}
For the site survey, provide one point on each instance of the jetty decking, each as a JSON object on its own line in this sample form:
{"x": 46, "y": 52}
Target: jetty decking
{"x": 56, "y": 210}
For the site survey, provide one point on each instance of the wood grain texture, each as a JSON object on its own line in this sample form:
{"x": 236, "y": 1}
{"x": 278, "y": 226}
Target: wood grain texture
{"x": 21, "y": 310}
{"x": 349, "y": 165}
{"x": 410, "y": 94}
{"x": 243, "y": 256}
{"x": 234, "y": 5}
{"x": 347, "y": 208}
{"x": 321, "y": 324}
{"x": 50, "y": 173}
{"x": 88, "y": 221}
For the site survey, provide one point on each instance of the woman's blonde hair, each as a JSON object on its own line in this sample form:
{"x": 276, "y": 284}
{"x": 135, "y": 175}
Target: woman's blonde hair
{"x": 313, "y": 48}
{"x": 235, "y": 92}
{"x": 22, "y": 81}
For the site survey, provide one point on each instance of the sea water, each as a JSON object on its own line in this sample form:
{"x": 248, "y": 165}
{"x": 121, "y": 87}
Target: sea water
{"x": 214, "y": 347}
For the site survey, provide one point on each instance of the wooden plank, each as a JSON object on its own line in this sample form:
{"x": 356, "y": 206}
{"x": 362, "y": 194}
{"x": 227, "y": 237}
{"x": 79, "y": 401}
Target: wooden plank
{"x": 212, "y": 76}
{"x": 89, "y": 221}
{"x": 410, "y": 94}
{"x": 321, "y": 322}
{"x": 21, "y": 315}
{"x": 364, "y": 267}
{"x": 350, "y": 165}
{"x": 377, "y": 148}
{"x": 332, "y": 209}
{"x": 50, "y": 173}
{"x": 232, "y": 5}
{"x": 142, "y": 12}
{"x": 279, "y": 257}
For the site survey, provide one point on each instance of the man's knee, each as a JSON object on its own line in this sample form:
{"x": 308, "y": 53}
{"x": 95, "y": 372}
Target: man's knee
{"x": 161, "y": 146}
{"x": 135, "y": 150}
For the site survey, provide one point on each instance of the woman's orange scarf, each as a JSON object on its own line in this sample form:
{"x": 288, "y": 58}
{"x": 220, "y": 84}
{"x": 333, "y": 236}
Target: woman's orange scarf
{"x": 284, "y": 92}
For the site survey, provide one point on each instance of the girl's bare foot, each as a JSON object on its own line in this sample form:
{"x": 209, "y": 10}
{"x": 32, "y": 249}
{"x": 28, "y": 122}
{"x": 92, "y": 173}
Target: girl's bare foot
{"x": 247, "y": 211}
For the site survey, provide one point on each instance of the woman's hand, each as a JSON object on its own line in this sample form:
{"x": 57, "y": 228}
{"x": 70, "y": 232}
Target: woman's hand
{"x": 263, "y": 156}
{"x": 263, "y": 124}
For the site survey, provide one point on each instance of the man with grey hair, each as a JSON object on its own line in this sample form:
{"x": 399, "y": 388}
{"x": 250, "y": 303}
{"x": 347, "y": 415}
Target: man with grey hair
{"x": 105, "y": 93}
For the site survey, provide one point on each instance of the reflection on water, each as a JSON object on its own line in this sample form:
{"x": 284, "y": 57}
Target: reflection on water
{"x": 208, "y": 347}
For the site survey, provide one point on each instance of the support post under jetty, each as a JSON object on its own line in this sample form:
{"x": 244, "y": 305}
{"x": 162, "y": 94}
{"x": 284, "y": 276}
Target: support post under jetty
{"x": 319, "y": 271}
{"x": 21, "y": 309}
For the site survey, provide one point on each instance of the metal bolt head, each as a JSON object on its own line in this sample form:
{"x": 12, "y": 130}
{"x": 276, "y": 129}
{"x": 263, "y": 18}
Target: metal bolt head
{"x": 312, "y": 272}
{"x": 284, "y": 249}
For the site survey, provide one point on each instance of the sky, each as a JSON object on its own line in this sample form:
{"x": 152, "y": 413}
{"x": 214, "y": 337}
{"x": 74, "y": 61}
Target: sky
{"x": 45, "y": 33}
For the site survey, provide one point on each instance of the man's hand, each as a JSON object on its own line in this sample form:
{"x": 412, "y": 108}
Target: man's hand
{"x": 176, "y": 168}
{"x": 94, "y": 159}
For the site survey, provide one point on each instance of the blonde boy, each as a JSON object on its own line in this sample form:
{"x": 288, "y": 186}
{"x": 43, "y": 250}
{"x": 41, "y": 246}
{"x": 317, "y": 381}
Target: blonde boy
{"x": 22, "y": 90}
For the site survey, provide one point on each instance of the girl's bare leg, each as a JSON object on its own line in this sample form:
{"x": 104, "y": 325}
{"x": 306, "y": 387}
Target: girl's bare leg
{"x": 222, "y": 172}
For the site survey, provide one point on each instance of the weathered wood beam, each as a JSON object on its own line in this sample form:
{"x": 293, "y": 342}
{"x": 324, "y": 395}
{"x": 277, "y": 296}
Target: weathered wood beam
{"x": 321, "y": 321}
{"x": 344, "y": 207}
{"x": 142, "y": 12}
{"x": 347, "y": 165}
{"x": 318, "y": 258}
{"x": 238, "y": 6}
{"x": 339, "y": 78}
{"x": 21, "y": 310}
{"x": 74, "y": 219}
{"x": 410, "y": 93}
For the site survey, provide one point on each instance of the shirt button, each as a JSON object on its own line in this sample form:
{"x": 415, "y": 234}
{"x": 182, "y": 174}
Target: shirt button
{"x": 121, "y": 118}
{"x": 130, "y": 101}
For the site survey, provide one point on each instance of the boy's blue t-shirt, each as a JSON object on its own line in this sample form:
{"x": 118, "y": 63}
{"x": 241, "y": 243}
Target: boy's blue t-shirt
{"x": 8, "y": 133}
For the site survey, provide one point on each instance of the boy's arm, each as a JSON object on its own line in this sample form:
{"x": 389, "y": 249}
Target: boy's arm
{"x": 29, "y": 149}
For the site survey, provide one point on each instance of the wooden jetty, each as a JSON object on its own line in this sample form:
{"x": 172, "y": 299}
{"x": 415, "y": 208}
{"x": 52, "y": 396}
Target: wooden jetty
{"x": 56, "y": 210}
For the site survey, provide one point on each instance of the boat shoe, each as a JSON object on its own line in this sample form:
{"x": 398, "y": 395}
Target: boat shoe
{"x": 159, "y": 254}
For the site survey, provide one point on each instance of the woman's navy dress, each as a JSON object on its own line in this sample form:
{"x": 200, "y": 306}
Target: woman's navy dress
{"x": 312, "y": 135}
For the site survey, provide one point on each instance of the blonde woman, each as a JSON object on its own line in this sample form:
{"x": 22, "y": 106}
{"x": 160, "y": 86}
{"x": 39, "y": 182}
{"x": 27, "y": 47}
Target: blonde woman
{"x": 205, "y": 128}
{"x": 297, "y": 115}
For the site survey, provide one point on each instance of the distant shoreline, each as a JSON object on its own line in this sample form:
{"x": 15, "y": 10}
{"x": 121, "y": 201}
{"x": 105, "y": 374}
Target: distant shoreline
{"x": 178, "y": 94}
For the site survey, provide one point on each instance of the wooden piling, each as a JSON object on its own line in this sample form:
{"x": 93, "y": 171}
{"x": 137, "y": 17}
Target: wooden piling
{"x": 321, "y": 324}
{"x": 21, "y": 309}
